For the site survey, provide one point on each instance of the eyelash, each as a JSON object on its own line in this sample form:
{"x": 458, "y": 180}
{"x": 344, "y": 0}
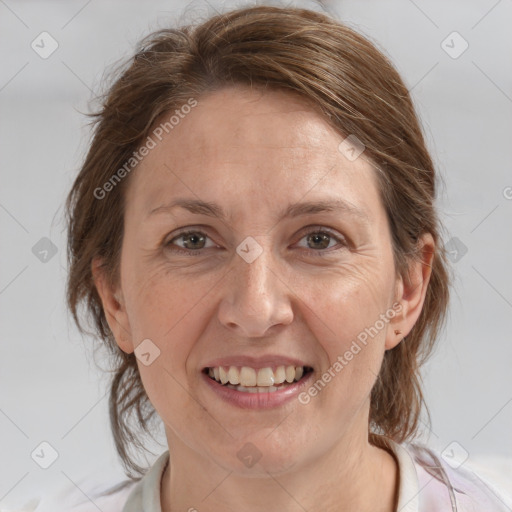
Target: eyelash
{"x": 310, "y": 252}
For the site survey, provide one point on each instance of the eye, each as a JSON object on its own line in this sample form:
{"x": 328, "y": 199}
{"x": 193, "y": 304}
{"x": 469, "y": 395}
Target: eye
{"x": 320, "y": 239}
{"x": 194, "y": 242}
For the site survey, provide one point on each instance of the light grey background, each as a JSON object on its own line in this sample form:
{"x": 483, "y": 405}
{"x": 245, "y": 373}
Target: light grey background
{"x": 50, "y": 387}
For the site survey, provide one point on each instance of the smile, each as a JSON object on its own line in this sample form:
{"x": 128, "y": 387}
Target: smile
{"x": 257, "y": 380}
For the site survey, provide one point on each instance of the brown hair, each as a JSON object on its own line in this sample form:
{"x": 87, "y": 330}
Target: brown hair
{"x": 358, "y": 90}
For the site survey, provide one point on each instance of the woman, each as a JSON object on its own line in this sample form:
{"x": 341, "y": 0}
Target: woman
{"x": 254, "y": 234}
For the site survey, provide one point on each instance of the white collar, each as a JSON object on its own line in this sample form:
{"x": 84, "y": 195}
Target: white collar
{"x": 146, "y": 494}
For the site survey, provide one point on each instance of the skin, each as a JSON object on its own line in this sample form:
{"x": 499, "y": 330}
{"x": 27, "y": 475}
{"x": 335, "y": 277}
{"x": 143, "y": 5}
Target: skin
{"x": 254, "y": 152}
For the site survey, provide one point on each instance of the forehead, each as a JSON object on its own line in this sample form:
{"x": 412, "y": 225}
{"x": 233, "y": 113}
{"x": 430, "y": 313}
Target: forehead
{"x": 250, "y": 148}
{"x": 246, "y": 117}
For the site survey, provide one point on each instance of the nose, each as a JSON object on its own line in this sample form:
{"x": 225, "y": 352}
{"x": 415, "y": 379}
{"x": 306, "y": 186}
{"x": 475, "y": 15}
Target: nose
{"x": 255, "y": 297}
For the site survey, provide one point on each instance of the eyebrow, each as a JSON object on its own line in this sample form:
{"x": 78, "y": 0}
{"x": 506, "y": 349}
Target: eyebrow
{"x": 294, "y": 210}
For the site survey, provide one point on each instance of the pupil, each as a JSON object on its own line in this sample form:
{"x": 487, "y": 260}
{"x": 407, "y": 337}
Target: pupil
{"x": 192, "y": 237}
{"x": 324, "y": 238}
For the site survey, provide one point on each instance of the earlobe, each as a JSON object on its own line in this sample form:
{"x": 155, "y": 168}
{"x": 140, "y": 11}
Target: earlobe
{"x": 113, "y": 307}
{"x": 412, "y": 290}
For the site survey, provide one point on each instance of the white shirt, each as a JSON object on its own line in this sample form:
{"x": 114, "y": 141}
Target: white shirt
{"x": 426, "y": 484}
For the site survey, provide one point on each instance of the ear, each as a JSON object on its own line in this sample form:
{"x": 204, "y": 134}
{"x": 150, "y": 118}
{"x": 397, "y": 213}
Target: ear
{"x": 411, "y": 292}
{"x": 113, "y": 306}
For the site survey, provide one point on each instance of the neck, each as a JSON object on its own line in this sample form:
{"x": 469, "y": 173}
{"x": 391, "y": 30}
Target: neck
{"x": 352, "y": 476}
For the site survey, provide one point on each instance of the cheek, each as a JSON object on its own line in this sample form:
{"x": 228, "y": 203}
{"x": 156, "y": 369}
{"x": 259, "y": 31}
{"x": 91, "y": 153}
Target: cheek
{"x": 346, "y": 302}
{"x": 162, "y": 309}
{"x": 160, "y": 303}
{"x": 349, "y": 317}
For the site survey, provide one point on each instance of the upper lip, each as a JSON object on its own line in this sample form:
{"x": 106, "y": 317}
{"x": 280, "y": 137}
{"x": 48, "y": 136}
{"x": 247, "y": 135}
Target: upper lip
{"x": 256, "y": 362}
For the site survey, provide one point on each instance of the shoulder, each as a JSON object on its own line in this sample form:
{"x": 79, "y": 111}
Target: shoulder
{"x": 87, "y": 495}
{"x": 447, "y": 484}
{"x": 84, "y": 496}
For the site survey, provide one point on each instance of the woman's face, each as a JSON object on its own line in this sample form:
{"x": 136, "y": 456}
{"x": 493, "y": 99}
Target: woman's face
{"x": 270, "y": 283}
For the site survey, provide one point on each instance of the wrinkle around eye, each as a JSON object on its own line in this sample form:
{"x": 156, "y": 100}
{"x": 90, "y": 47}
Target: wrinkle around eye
{"x": 342, "y": 233}
{"x": 339, "y": 240}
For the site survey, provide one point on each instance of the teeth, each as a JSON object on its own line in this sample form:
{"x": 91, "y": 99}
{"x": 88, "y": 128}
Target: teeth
{"x": 265, "y": 377}
{"x": 234, "y": 375}
{"x": 256, "y": 380}
{"x": 247, "y": 376}
{"x": 256, "y": 389}
{"x": 279, "y": 375}
{"x": 290, "y": 373}
{"x": 223, "y": 375}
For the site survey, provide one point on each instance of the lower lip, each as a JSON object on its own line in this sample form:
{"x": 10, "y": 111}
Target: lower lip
{"x": 248, "y": 400}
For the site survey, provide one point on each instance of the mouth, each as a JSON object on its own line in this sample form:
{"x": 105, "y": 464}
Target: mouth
{"x": 246, "y": 379}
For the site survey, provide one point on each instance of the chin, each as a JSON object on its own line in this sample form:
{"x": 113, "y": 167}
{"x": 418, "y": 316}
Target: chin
{"x": 260, "y": 454}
